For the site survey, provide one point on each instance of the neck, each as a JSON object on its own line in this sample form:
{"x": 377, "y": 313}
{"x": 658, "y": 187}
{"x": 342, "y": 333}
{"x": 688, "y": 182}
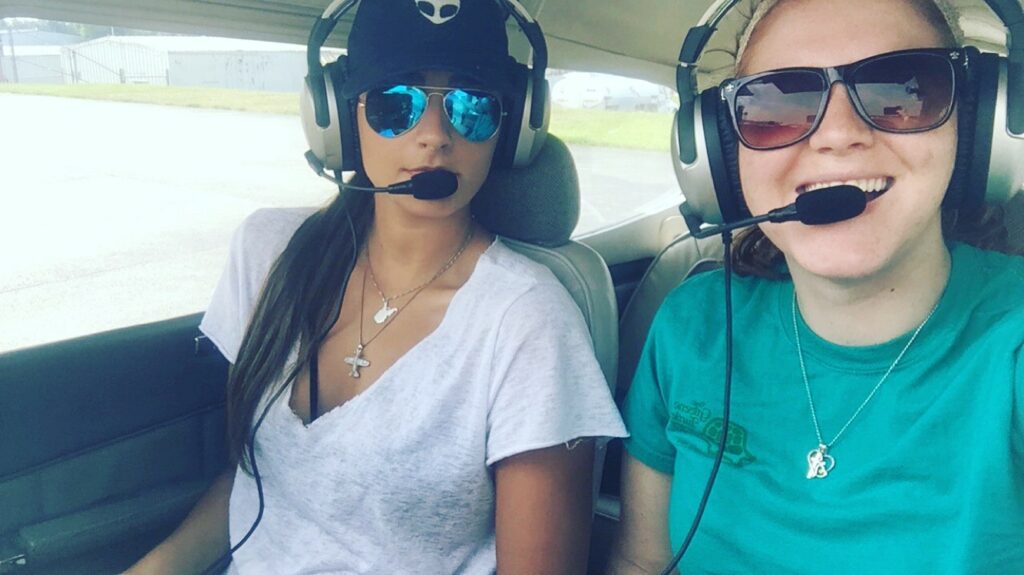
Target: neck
{"x": 878, "y": 308}
{"x": 405, "y": 250}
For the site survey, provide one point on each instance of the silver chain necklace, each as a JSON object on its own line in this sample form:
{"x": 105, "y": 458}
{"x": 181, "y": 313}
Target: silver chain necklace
{"x": 819, "y": 461}
{"x": 357, "y": 360}
{"x": 386, "y": 311}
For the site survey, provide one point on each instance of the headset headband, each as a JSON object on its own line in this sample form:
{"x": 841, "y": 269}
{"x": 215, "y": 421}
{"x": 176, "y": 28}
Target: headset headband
{"x": 333, "y": 13}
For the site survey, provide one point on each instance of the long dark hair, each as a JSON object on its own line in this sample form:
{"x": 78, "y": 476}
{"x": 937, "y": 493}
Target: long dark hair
{"x": 298, "y": 304}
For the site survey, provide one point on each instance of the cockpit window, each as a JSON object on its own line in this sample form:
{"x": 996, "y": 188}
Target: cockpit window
{"x": 131, "y": 156}
{"x": 618, "y": 131}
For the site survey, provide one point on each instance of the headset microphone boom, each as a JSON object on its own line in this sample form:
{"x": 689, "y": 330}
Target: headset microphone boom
{"x": 820, "y": 207}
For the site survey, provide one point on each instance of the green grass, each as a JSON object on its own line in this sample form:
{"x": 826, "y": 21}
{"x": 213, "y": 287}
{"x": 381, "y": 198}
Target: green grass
{"x": 221, "y": 99}
{"x": 638, "y": 130}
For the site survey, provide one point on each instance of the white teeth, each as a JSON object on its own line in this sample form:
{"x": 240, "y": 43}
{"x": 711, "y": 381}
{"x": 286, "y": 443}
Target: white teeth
{"x": 866, "y": 185}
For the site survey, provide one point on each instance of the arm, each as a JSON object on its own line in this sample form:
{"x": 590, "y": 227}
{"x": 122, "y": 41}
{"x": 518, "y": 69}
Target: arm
{"x": 642, "y": 546}
{"x": 544, "y": 510}
{"x": 199, "y": 541}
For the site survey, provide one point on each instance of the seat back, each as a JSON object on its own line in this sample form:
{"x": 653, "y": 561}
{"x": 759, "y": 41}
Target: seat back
{"x": 683, "y": 257}
{"x": 536, "y": 209}
{"x": 584, "y": 274}
{"x": 680, "y": 259}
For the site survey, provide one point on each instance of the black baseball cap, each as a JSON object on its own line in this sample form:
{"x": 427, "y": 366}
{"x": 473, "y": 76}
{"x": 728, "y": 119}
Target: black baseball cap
{"x": 391, "y": 38}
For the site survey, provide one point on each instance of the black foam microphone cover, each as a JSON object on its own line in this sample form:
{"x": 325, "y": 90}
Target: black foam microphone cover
{"x": 434, "y": 185}
{"x": 830, "y": 205}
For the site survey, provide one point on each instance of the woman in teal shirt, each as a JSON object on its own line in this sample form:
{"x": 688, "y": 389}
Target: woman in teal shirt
{"x": 877, "y": 418}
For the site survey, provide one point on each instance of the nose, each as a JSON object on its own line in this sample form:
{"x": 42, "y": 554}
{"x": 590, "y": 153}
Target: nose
{"x": 841, "y": 128}
{"x": 433, "y": 130}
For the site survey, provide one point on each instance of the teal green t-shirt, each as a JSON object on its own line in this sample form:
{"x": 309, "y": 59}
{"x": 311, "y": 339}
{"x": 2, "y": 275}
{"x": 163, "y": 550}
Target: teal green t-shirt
{"x": 929, "y": 478}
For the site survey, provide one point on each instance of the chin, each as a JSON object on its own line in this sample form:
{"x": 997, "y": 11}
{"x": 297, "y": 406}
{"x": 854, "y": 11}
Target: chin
{"x": 842, "y": 269}
{"x": 838, "y": 256}
{"x": 442, "y": 208}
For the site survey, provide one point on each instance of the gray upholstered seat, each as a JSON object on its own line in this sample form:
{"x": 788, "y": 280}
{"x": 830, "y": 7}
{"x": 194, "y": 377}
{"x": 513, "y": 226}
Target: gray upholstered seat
{"x": 681, "y": 258}
{"x": 537, "y": 208}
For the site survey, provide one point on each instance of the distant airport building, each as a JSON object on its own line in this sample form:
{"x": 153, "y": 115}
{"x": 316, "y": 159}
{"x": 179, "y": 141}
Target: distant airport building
{"x": 164, "y": 61}
{"x": 603, "y": 91}
{"x": 31, "y": 65}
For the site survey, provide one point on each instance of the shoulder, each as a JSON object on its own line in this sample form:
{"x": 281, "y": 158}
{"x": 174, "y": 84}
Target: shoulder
{"x": 519, "y": 298}
{"x": 700, "y": 299}
{"x": 517, "y": 266}
{"x": 260, "y": 240}
{"x": 985, "y": 297}
{"x": 518, "y": 279}
{"x": 256, "y": 245}
{"x": 997, "y": 278}
{"x": 703, "y": 285}
{"x": 991, "y": 263}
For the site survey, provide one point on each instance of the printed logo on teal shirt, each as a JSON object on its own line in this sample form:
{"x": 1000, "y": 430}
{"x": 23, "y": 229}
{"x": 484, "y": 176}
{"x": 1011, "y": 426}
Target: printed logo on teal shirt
{"x": 696, "y": 419}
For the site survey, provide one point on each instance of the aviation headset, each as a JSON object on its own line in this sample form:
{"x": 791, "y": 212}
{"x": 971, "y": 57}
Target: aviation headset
{"x": 990, "y": 147}
{"x": 329, "y": 119}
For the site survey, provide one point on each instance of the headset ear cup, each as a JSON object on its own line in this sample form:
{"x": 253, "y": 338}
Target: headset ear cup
{"x": 723, "y": 156}
{"x": 956, "y": 191}
{"x": 984, "y": 86}
{"x": 529, "y": 148}
{"x": 514, "y": 104}
{"x": 519, "y": 143}
{"x": 347, "y": 126}
{"x": 332, "y": 140}
{"x": 966, "y": 123}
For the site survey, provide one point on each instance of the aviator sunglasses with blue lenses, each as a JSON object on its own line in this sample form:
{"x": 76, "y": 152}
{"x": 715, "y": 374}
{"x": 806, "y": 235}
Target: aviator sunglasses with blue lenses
{"x": 898, "y": 92}
{"x": 393, "y": 110}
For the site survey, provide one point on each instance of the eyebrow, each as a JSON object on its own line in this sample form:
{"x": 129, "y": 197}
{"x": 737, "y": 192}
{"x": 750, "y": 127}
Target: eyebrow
{"x": 465, "y": 81}
{"x": 455, "y": 81}
{"x": 409, "y": 78}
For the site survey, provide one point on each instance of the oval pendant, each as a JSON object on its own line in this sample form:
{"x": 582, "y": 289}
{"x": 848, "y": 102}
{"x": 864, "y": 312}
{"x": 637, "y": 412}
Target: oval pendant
{"x": 384, "y": 313}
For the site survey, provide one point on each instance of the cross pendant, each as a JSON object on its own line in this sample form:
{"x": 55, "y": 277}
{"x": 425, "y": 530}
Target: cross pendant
{"x": 357, "y": 361}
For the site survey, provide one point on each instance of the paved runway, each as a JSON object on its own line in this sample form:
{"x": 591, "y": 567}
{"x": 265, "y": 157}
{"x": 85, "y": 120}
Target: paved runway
{"x": 113, "y": 214}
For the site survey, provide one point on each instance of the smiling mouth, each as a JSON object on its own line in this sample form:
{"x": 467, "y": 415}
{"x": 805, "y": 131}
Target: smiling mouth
{"x": 873, "y": 188}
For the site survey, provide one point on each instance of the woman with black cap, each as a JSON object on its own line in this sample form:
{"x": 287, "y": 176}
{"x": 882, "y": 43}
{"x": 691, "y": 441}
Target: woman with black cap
{"x": 422, "y": 396}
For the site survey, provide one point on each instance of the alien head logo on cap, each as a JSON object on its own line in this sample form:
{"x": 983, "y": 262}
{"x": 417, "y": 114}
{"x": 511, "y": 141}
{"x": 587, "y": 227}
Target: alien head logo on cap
{"x": 438, "y": 11}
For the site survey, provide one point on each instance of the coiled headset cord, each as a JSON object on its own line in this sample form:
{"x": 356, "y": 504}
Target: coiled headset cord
{"x": 727, "y": 244}
{"x": 224, "y": 560}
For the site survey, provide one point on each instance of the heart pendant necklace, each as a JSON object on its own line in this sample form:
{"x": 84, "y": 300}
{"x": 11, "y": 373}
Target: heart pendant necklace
{"x": 819, "y": 461}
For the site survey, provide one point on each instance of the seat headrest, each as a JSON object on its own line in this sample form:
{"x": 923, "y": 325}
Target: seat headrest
{"x": 538, "y": 204}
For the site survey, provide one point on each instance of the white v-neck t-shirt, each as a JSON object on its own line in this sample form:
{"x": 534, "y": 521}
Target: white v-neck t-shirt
{"x": 398, "y": 480}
